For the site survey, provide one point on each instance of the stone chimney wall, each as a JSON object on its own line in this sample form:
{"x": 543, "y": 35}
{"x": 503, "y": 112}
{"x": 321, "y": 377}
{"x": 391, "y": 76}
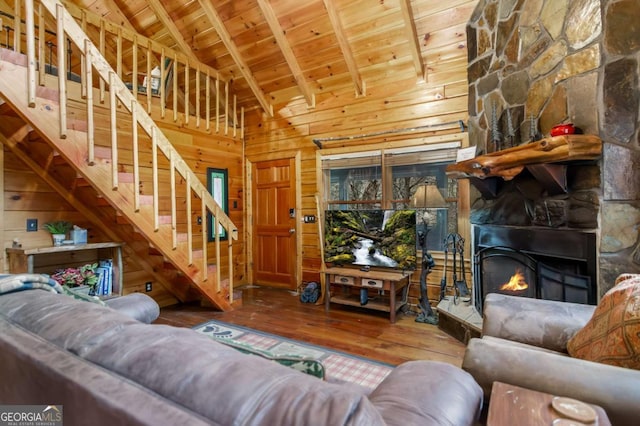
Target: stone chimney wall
{"x": 537, "y": 63}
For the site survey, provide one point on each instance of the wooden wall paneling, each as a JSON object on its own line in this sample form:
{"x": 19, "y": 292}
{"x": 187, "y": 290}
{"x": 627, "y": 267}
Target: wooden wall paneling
{"x": 385, "y": 108}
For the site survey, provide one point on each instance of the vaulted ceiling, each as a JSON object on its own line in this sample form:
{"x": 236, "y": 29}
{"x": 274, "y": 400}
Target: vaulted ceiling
{"x": 274, "y": 51}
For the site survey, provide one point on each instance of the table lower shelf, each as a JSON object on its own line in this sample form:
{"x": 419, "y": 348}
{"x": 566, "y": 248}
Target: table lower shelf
{"x": 353, "y": 300}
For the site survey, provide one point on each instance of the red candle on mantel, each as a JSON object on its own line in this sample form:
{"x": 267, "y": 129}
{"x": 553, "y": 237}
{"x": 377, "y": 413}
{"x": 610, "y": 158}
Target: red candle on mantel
{"x": 563, "y": 129}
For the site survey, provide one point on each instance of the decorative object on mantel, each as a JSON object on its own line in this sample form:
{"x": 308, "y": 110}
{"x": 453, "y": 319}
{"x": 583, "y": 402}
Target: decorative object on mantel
{"x": 58, "y": 230}
{"x": 426, "y": 197}
{"x": 563, "y": 129}
{"x": 496, "y": 136}
{"x": 511, "y": 133}
{"x": 533, "y": 129}
{"x": 508, "y": 163}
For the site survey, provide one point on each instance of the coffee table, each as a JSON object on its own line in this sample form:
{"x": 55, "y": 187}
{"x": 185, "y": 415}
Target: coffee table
{"x": 511, "y": 405}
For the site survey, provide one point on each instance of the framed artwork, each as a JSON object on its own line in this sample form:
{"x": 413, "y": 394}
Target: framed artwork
{"x": 218, "y": 185}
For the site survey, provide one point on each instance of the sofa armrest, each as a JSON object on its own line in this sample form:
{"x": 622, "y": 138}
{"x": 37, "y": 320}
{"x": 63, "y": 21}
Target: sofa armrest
{"x": 613, "y": 388}
{"x": 428, "y": 392}
{"x": 138, "y": 306}
{"x": 544, "y": 323}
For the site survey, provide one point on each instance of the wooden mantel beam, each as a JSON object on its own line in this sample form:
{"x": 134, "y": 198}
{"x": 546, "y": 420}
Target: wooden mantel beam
{"x": 412, "y": 35}
{"x": 285, "y": 48}
{"x": 508, "y": 163}
{"x": 334, "y": 17}
{"x": 216, "y": 21}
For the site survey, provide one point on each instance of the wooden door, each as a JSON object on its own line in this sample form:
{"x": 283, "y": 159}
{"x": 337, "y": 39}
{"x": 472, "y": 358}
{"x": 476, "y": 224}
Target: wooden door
{"x": 274, "y": 223}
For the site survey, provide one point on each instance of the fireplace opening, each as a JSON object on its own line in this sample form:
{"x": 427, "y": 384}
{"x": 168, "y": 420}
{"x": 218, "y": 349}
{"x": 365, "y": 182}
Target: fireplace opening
{"x": 537, "y": 263}
{"x": 504, "y": 270}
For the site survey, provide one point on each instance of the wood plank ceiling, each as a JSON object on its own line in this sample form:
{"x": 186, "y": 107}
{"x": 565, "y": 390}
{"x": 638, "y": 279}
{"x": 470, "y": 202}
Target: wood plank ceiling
{"x": 275, "y": 51}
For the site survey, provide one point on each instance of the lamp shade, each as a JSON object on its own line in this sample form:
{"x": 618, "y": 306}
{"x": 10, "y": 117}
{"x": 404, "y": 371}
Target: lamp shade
{"x": 428, "y": 196}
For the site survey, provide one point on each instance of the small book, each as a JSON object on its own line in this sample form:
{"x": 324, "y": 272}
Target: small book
{"x": 106, "y": 266}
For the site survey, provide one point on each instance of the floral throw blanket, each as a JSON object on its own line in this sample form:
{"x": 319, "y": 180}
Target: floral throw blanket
{"x": 19, "y": 282}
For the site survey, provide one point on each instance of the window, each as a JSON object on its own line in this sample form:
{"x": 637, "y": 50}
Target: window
{"x": 388, "y": 178}
{"x": 355, "y": 181}
{"x": 217, "y": 185}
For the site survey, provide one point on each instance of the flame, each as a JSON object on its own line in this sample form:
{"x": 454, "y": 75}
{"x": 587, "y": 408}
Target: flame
{"x": 516, "y": 283}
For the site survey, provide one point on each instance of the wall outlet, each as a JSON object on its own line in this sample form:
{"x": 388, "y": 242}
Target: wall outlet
{"x": 147, "y": 286}
{"x": 32, "y": 225}
{"x": 310, "y": 218}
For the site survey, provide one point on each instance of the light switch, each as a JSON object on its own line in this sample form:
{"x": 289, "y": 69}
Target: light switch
{"x": 32, "y": 225}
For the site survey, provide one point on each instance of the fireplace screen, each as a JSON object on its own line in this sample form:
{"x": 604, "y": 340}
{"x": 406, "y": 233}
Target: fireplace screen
{"x": 563, "y": 286}
{"x": 508, "y": 271}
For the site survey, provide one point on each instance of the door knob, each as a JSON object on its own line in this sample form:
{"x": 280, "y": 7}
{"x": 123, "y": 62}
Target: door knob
{"x": 292, "y": 231}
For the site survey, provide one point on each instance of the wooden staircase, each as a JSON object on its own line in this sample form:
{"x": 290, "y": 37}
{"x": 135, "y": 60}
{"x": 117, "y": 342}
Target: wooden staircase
{"x": 124, "y": 176}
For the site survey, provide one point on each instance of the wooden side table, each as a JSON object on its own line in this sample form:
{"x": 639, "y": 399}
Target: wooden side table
{"x": 511, "y": 405}
{"x": 393, "y": 283}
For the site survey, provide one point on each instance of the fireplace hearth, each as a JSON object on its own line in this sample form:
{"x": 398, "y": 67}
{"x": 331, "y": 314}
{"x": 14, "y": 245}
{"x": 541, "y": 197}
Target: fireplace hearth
{"x": 538, "y": 263}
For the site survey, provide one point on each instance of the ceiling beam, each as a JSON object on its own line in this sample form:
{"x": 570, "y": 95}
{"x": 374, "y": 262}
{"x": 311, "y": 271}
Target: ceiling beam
{"x": 165, "y": 19}
{"x": 216, "y": 21}
{"x": 412, "y": 34}
{"x": 345, "y": 47}
{"x": 285, "y": 48}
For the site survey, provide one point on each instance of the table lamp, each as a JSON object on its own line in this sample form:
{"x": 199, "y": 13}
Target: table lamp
{"x": 427, "y": 196}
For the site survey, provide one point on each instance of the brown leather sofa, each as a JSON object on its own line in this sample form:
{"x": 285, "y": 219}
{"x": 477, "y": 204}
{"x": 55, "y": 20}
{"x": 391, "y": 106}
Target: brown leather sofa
{"x": 524, "y": 343}
{"x": 107, "y": 368}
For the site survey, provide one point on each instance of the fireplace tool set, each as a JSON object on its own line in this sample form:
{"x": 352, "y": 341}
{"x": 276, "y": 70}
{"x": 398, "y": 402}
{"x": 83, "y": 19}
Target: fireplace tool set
{"x": 454, "y": 243}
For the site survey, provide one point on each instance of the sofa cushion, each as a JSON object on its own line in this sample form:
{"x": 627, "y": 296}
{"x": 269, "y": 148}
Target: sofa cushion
{"x": 223, "y": 384}
{"x": 452, "y": 396}
{"x": 543, "y": 323}
{"x": 612, "y": 335}
{"x": 38, "y": 372}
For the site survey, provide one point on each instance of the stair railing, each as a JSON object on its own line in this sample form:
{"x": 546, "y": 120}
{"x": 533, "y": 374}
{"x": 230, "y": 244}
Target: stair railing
{"x": 189, "y": 80}
{"x": 119, "y": 92}
{"x": 200, "y": 90}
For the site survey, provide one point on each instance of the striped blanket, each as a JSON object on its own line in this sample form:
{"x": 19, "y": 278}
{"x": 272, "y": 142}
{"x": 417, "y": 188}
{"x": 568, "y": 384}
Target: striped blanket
{"x": 18, "y": 282}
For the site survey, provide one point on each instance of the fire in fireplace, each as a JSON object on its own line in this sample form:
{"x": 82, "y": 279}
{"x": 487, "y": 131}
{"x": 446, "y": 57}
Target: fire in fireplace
{"x": 537, "y": 263}
{"x": 516, "y": 283}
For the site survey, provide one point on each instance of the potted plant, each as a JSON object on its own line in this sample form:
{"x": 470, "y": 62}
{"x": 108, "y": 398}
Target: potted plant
{"x": 58, "y": 230}
{"x": 76, "y": 277}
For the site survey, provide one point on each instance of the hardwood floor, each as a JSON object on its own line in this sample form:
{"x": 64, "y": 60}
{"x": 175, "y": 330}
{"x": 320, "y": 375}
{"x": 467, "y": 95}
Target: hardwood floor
{"x": 357, "y": 331}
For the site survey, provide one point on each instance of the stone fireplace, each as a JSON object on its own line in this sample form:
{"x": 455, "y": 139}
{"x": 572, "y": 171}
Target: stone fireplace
{"x": 537, "y": 63}
{"x": 533, "y": 64}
